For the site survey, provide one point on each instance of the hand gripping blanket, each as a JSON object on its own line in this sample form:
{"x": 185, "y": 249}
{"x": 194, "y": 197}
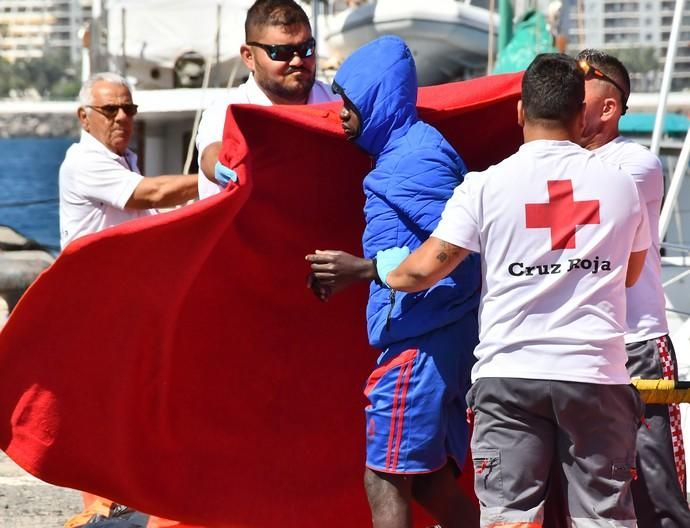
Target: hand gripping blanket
{"x": 179, "y": 364}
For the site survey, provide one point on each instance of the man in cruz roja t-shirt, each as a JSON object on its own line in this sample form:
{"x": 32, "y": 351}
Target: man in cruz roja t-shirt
{"x": 558, "y": 249}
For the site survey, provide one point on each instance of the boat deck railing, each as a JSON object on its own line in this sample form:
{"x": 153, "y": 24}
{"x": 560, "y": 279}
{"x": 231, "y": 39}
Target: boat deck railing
{"x": 676, "y": 258}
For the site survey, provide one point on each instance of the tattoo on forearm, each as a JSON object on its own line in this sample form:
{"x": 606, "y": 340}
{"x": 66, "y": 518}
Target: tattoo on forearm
{"x": 447, "y": 250}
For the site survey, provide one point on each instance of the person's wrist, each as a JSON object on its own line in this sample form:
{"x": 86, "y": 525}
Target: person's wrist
{"x": 373, "y": 272}
{"x": 368, "y": 270}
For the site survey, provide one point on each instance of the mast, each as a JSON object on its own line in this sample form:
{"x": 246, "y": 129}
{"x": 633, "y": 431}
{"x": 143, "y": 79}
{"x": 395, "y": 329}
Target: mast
{"x": 674, "y": 187}
{"x": 505, "y": 23}
{"x": 668, "y": 74}
{"x": 315, "y": 19}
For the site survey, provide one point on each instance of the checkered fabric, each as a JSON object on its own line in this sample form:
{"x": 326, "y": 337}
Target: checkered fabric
{"x": 674, "y": 412}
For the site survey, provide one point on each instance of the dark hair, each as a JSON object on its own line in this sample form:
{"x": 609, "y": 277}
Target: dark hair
{"x": 610, "y": 65}
{"x": 553, "y": 89}
{"x": 273, "y": 13}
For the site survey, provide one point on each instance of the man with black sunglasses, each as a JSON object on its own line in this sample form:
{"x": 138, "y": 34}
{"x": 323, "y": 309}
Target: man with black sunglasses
{"x": 280, "y": 53}
{"x": 659, "y": 492}
{"x": 100, "y": 184}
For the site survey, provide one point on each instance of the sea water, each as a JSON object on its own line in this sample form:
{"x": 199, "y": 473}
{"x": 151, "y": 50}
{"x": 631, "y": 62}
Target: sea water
{"x": 29, "y": 187}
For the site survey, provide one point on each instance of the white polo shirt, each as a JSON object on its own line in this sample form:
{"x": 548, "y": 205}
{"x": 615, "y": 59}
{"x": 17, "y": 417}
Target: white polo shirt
{"x": 555, "y": 227}
{"x": 95, "y": 185}
{"x": 646, "y": 314}
{"x": 213, "y": 119}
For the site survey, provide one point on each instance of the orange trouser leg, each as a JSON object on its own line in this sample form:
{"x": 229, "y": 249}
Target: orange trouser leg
{"x": 93, "y": 505}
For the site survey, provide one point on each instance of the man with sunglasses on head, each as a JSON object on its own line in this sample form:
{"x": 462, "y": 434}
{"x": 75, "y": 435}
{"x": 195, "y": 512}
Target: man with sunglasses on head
{"x": 280, "y": 53}
{"x": 100, "y": 184}
{"x": 659, "y": 492}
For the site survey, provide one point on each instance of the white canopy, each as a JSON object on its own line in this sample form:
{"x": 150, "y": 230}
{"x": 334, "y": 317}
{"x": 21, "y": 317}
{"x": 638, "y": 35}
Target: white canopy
{"x": 161, "y": 30}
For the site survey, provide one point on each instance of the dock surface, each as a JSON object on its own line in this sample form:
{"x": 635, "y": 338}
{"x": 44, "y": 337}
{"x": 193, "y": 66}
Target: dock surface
{"x": 27, "y": 502}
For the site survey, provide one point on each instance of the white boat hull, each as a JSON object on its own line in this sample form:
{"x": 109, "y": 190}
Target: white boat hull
{"x": 449, "y": 39}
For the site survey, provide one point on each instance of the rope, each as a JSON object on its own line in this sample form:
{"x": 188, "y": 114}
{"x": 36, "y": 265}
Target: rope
{"x": 663, "y": 391}
{"x": 197, "y": 118}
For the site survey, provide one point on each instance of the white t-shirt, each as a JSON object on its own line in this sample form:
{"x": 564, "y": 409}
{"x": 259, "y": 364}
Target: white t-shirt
{"x": 646, "y": 317}
{"x": 554, "y": 259}
{"x": 213, "y": 119}
{"x": 95, "y": 185}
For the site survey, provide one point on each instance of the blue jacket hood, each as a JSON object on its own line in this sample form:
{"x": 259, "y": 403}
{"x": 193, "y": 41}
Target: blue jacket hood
{"x": 380, "y": 80}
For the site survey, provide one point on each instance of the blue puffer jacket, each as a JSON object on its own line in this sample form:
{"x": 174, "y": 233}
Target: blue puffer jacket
{"x": 415, "y": 173}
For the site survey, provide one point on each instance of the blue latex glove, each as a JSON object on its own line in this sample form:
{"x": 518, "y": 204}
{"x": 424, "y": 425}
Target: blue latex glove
{"x": 389, "y": 259}
{"x": 224, "y": 175}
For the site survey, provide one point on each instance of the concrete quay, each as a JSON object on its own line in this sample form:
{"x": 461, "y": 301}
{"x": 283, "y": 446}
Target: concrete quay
{"x": 27, "y": 502}
{"x": 21, "y": 261}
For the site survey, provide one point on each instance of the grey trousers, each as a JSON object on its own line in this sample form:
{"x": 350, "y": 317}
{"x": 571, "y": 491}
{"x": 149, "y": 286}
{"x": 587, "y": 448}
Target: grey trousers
{"x": 659, "y": 492}
{"x": 522, "y": 427}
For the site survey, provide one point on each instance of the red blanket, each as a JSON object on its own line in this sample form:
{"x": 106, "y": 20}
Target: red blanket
{"x": 179, "y": 364}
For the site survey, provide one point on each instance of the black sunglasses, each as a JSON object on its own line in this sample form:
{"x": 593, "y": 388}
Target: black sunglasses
{"x": 595, "y": 73}
{"x": 285, "y": 52}
{"x": 111, "y": 110}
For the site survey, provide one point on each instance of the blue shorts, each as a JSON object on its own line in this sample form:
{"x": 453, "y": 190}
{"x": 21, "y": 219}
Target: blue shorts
{"x": 416, "y": 419}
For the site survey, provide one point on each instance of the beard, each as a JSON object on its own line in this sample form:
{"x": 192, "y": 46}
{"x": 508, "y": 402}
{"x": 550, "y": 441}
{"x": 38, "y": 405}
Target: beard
{"x": 294, "y": 90}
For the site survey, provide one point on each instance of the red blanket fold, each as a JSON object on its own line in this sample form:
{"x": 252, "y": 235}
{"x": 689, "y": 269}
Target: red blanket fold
{"x": 179, "y": 364}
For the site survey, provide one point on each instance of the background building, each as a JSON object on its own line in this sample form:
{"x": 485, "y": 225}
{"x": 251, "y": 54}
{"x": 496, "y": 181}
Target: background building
{"x": 637, "y": 31}
{"x": 29, "y": 28}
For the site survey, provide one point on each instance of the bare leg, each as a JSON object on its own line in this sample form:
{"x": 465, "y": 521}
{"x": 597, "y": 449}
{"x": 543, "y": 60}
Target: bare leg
{"x": 439, "y": 494}
{"x": 389, "y": 498}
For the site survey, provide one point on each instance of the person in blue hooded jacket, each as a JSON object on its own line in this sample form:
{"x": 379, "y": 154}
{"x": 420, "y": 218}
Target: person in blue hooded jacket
{"x": 416, "y": 431}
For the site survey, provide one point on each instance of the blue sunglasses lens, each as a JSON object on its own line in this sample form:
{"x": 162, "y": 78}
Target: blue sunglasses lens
{"x": 285, "y": 52}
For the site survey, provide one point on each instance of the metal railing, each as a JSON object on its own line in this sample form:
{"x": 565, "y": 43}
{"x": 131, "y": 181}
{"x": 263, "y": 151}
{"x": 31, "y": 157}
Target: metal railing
{"x": 683, "y": 263}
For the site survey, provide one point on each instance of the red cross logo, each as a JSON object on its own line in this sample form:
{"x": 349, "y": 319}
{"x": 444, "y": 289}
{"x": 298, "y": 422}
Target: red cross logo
{"x": 562, "y": 214}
